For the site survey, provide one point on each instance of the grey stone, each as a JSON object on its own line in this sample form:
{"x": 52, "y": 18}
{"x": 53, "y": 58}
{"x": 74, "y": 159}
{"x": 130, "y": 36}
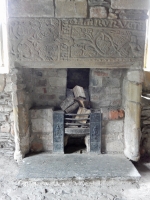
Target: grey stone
{"x": 99, "y": 3}
{"x": 114, "y": 127}
{"x": 132, "y": 125}
{"x": 72, "y": 8}
{"x": 5, "y": 108}
{"x": 133, "y": 14}
{"x": 2, "y": 117}
{"x": 112, "y": 16}
{"x": 34, "y": 8}
{"x": 41, "y": 125}
{"x": 8, "y": 87}
{"x": 58, "y": 55}
{"x": 130, "y": 4}
{"x": 2, "y": 82}
{"x": 98, "y": 12}
{"x": 78, "y": 167}
{"x": 5, "y": 128}
{"x": 57, "y": 82}
{"x": 133, "y": 91}
{"x": 135, "y": 76}
{"x": 112, "y": 143}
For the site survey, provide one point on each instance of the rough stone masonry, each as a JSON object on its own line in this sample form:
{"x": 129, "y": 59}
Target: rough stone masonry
{"x": 92, "y": 34}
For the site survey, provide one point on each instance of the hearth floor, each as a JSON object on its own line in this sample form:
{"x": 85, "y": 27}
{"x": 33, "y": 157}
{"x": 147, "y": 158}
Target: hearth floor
{"x": 77, "y": 167}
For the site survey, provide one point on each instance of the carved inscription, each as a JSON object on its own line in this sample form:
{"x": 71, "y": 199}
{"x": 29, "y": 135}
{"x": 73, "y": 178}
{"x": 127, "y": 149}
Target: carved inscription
{"x": 76, "y": 39}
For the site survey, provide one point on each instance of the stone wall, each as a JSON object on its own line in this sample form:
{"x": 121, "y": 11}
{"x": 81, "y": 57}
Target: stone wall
{"x": 46, "y": 87}
{"x": 65, "y": 34}
{"x": 6, "y": 117}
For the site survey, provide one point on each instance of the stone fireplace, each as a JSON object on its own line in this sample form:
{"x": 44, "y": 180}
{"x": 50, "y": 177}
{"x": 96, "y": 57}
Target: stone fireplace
{"x": 44, "y": 51}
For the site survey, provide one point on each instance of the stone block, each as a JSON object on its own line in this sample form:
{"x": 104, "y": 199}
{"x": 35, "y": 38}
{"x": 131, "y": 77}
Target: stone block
{"x": 34, "y": 8}
{"x": 130, "y": 4}
{"x": 46, "y": 113}
{"x": 42, "y": 120}
{"x": 98, "y": 3}
{"x": 116, "y": 73}
{"x": 133, "y": 92}
{"x": 114, "y": 146}
{"x": 112, "y": 16}
{"x": 133, "y": 14}
{"x": 21, "y": 113}
{"x": 105, "y": 113}
{"x": 62, "y": 73}
{"x": 5, "y": 128}
{"x": 57, "y": 82}
{"x": 132, "y": 125}
{"x": 41, "y": 125}
{"x": 135, "y": 76}
{"x": 2, "y": 82}
{"x": 98, "y": 12}
{"x": 41, "y": 83}
{"x": 2, "y": 117}
{"x": 5, "y": 108}
{"x": 8, "y": 87}
{"x": 71, "y": 8}
{"x": 114, "y": 127}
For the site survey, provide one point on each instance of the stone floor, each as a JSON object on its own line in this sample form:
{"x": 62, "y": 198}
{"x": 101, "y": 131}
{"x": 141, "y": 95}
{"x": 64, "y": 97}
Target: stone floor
{"x": 14, "y": 189}
{"x": 77, "y": 167}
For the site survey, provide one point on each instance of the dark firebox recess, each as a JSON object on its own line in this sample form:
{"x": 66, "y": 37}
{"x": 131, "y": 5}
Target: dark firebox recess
{"x": 78, "y": 77}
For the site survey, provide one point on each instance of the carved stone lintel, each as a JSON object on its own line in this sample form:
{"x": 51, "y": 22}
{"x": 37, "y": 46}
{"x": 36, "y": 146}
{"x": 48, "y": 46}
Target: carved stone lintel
{"x": 76, "y": 42}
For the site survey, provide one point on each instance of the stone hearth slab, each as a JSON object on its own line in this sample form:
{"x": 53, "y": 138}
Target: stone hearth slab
{"x": 77, "y": 167}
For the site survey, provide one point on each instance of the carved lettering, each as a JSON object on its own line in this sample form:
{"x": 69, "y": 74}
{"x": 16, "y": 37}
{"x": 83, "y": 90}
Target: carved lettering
{"x": 54, "y": 40}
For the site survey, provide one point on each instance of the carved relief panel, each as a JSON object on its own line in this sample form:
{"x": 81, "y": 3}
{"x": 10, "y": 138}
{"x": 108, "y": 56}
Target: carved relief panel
{"x": 77, "y": 41}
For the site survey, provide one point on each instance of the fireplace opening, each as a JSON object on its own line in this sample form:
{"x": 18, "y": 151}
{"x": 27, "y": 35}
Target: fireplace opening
{"x": 75, "y": 145}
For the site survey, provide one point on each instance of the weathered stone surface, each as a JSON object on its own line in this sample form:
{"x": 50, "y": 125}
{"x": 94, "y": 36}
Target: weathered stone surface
{"x": 133, "y": 14}
{"x": 132, "y": 126}
{"x": 119, "y": 50}
{"x": 99, "y": 3}
{"x": 5, "y": 128}
{"x": 98, "y": 12}
{"x": 112, "y": 16}
{"x": 41, "y": 129}
{"x": 72, "y": 8}
{"x": 114, "y": 127}
{"x": 34, "y": 8}
{"x": 8, "y": 87}
{"x": 112, "y": 143}
{"x": 58, "y": 81}
{"x": 130, "y": 4}
{"x": 2, "y": 82}
{"x": 135, "y": 76}
{"x": 2, "y": 117}
{"x": 41, "y": 125}
{"x": 5, "y": 108}
{"x": 133, "y": 92}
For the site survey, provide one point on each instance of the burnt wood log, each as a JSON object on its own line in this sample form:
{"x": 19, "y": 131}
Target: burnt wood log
{"x": 72, "y": 108}
{"x": 66, "y": 103}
